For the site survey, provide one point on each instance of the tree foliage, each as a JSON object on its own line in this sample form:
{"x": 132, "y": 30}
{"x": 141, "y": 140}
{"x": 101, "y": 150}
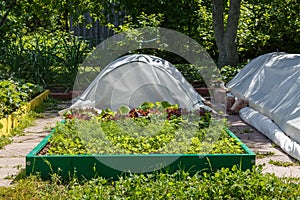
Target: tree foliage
{"x": 267, "y": 26}
{"x": 264, "y": 26}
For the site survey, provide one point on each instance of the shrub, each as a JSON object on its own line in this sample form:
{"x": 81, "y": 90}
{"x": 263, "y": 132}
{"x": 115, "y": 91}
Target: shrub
{"x": 14, "y": 94}
{"x": 43, "y": 58}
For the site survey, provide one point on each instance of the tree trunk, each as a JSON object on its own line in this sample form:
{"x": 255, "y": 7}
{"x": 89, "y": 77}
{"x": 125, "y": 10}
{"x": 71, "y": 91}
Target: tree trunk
{"x": 226, "y": 36}
{"x": 66, "y": 16}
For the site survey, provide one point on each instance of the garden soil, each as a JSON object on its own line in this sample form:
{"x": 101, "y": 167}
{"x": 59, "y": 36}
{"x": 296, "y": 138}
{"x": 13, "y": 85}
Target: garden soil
{"x": 12, "y": 156}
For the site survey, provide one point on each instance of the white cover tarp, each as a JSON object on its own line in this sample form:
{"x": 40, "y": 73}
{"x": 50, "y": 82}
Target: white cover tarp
{"x": 266, "y": 126}
{"x": 271, "y": 85}
{"x": 134, "y": 79}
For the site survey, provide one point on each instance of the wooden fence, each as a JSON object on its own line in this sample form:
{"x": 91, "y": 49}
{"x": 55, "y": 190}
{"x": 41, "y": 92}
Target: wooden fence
{"x": 97, "y": 33}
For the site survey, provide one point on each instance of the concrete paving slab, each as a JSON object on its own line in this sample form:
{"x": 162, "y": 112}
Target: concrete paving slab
{"x": 31, "y": 137}
{"x": 12, "y": 156}
{"x": 12, "y": 162}
{"x": 9, "y": 173}
{"x": 281, "y": 171}
{"x": 5, "y": 182}
{"x": 18, "y": 149}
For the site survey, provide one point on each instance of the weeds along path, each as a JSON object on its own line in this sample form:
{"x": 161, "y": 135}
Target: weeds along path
{"x": 12, "y": 156}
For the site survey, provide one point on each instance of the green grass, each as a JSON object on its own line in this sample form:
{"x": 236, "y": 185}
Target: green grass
{"x": 281, "y": 163}
{"x": 264, "y": 154}
{"x": 247, "y": 130}
{"x": 223, "y": 184}
{"x": 4, "y": 140}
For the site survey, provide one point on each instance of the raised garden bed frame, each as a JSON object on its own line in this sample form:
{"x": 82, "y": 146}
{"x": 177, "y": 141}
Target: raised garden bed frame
{"x": 89, "y": 166}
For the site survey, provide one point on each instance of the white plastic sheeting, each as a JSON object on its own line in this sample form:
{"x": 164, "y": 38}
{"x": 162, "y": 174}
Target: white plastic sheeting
{"x": 266, "y": 126}
{"x": 271, "y": 85}
{"x": 134, "y": 79}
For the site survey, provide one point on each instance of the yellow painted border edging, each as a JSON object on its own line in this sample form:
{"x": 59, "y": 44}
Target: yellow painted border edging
{"x": 13, "y": 119}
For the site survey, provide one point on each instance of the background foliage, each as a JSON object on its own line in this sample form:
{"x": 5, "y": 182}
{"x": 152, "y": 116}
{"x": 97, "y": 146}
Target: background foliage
{"x": 36, "y": 44}
{"x": 14, "y": 94}
{"x": 35, "y": 34}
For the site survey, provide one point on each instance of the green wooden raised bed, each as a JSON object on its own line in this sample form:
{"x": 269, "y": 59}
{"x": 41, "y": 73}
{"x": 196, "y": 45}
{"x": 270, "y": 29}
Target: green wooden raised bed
{"x": 90, "y": 166}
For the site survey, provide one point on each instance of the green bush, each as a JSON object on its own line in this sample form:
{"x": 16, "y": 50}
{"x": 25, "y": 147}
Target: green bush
{"x": 43, "y": 58}
{"x": 14, "y": 94}
{"x": 228, "y": 72}
{"x": 191, "y": 74}
{"x": 268, "y": 26}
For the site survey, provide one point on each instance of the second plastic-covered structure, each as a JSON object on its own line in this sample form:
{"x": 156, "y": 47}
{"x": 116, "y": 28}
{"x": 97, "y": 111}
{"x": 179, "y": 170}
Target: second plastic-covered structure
{"x": 271, "y": 85}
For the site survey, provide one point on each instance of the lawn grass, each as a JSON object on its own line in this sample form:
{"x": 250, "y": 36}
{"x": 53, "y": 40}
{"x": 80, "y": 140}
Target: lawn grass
{"x": 223, "y": 184}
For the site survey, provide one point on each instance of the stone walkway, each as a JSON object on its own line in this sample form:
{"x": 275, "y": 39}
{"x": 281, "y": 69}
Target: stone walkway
{"x": 266, "y": 151}
{"x": 12, "y": 157}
